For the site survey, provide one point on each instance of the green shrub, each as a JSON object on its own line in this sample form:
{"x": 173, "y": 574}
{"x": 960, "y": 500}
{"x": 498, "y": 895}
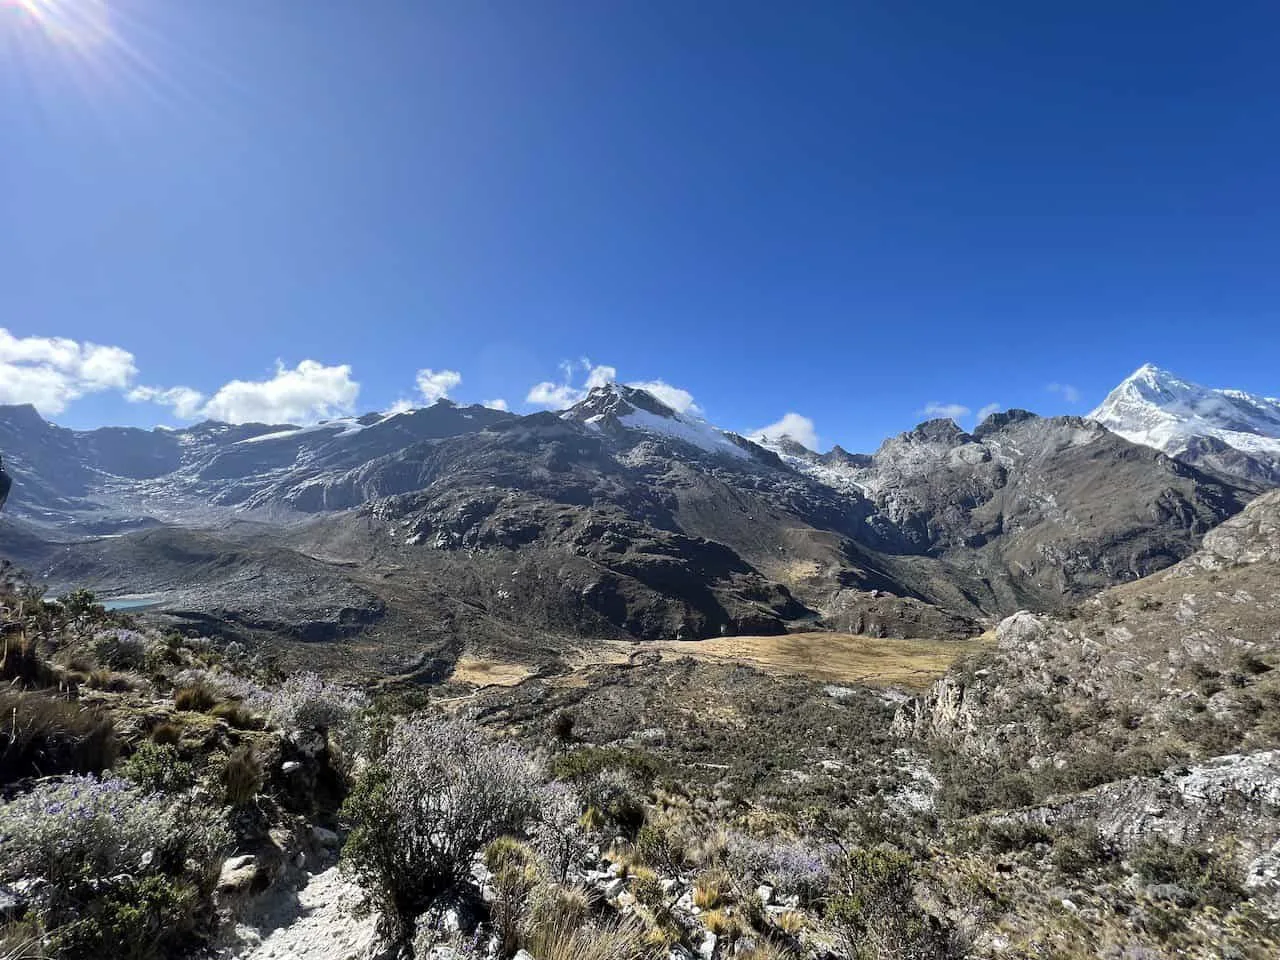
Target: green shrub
{"x": 79, "y": 603}
{"x": 662, "y": 843}
{"x": 1006, "y": 836}
{"x": 647, "y": 889}
{"x": 1209, "y": 878}
{"x": 611, "y": 783}
{"x": 148, "y": 919}
{"x": 158, "y": 767}
{"x": 585, "y": 763}
{"x": 562, "y": 725}
{"x": 1079, "y": 851}
{"x": 874, "y": 913}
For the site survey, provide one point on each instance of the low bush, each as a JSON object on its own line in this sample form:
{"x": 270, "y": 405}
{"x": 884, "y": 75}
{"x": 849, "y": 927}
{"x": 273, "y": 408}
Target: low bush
{"x": 304, "y": 702}
{"x": 662, "y": 842}
{"x": 1076, "y": 852}
{"x": 120, "y": 649}
{"x": 147, "y": 919}
{"x": 1007, "y": 836}
{"x": 874, "y": 912}
{"x": 158, "y": 767}
{"x": 116, "y": 868}
{"x": 557, "y": 829}
{"x": 80, "y": 603}
{"x": 1209, "y": 878}
{"x": 419, "y": 813}
{"x": 42, "y": 735}
{"x": 562, "y": 725}
{"x": 792, "y": 868}
{"x": 616, "y": 800}
{"x": 646, "y": 887}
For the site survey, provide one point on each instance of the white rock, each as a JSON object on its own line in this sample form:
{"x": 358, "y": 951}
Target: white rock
{"x": 765, "y": 893}
{"x": 707, "y": 948}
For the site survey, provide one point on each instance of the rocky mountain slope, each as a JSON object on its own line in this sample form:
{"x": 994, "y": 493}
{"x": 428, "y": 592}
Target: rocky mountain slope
{"x": 1228, "y": 431}
{"x": 1123, "y": 760}
{"x": 1179, "y": 664}
{"x": 620, "y": 517}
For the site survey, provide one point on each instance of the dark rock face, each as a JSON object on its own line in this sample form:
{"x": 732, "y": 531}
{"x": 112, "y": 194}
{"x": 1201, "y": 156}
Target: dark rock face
{"x": 619, "y": 517}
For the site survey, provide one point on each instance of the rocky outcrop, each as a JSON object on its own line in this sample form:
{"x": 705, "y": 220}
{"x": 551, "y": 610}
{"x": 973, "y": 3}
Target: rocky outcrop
{"x": 1251, "y": 537}
{"x": 1236, "y": 796}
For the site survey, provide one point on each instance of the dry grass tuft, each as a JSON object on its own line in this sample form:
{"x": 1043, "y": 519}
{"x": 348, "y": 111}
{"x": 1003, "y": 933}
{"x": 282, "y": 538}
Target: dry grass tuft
{"x": 712, "y": 890}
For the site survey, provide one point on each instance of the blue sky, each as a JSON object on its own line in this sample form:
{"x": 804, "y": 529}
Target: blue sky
{"x": 847, "y": 211}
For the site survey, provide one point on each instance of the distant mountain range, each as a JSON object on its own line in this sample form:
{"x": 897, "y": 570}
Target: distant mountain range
{"x": 622, "y": 517}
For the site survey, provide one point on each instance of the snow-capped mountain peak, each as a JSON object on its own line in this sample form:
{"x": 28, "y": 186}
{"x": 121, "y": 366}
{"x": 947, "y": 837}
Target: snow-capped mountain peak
{"x": 615, "y": 405}
{"x": 1159, "y": 409}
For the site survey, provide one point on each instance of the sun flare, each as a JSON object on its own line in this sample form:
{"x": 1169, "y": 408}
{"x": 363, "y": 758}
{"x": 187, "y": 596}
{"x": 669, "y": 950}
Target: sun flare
{"x": 82, "y": 23}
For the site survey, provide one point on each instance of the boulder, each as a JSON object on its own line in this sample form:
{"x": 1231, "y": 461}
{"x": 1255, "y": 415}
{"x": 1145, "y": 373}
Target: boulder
{"x": 241, "y": 875}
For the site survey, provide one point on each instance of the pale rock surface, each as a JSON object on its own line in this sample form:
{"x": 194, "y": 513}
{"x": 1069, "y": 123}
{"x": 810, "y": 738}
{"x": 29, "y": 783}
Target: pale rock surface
{"x": 315, "y": 923}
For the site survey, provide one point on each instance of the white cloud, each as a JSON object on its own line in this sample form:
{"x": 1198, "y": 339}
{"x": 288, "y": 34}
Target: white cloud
{"x": 435, "y": 384}
{"x": 50, "y": 372}
{"x": 798, "y": 428}
{"x": 953, "y": 410}
{"x": 677, "y": 399}
{"x": 400, "y": 406}
{"x": 498, "y": 404}
{"x": 309, "y": 392}
{"x": 988, "y": 410}
{"x": 1066, "y": 391}
{"x": 557, "y": 396}
{"x": 553, "y": 396}
{"x": 186, "y": 403}
{"x": 601, "y": 376}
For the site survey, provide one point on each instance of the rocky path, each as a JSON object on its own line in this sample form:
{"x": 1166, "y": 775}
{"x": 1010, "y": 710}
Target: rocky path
{"x": 314, "y": 923}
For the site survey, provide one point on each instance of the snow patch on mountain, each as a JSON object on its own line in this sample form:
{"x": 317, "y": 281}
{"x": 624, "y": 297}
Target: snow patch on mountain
{"x": 839, "y": 476}
{"x": 691, "y": 430}
{"x": 1158, "y": 409}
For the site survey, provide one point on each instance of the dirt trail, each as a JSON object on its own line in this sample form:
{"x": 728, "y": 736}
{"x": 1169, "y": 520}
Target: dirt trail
{"x": 314, "y": 923}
